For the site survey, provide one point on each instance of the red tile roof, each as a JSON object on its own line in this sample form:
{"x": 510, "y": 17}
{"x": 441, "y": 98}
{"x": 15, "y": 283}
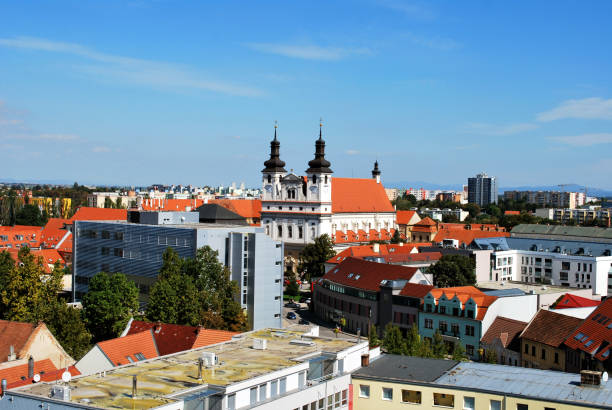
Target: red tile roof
{"x": 356, "y": 195}
{"x": 48, "y": 256}
{"x": 16, "y": 334}
{"x": 19, "y": 236}
{"x": 365, "y": 275}
{"x": 99, "y": 214}
{"x": 404, "y": 217}
{"x": 46, "y": 375}
{"x": 54, "y": 232}
{"x": 361, "y": 236}
{"x": 171, "y": 338}
{"x": 18, "y": 375}
{"x": 464, "y": 293}
{"x": 465, "y": 237}
{"x": 119, "y": 349}
{"x": 550, "y": 328}
{"x": 162, "y": 204}
{"x": 506, "y": 330}
{"x": 425, "y": 225}
{"x": 247, "y": 208}
{"x": 596, "y": 332}
{"x": 360, "y": 251}
{"x": 572, "y": 301}
{"x": 416, "y": 290}
{"x": 512, "y": 212}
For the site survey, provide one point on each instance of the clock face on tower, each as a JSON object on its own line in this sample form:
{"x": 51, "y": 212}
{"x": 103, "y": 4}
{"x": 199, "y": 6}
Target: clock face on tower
{"x": 314, "y": 189}
{"x": 269, "y": 188}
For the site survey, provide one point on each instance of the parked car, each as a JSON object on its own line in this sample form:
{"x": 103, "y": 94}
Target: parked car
{"x": 304, "y": 322}
{"x": 291, "y": 315}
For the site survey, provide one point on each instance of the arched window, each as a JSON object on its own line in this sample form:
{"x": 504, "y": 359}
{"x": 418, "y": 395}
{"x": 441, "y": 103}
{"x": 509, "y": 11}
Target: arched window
{"x": 269, "y": 178}
{"x": 314, "y": 179}
{"x": 291, "y": 194}
{"x": 326, "y": 179}
{"x": 280, "y": 231}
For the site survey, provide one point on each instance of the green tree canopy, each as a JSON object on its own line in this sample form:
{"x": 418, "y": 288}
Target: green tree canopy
{"x": 393, "y": 341}
{"x": 30, "y": 215}
{"x": 453, "y": 270}
{"x": 314, "y": 255}
{"x": 67, "y": 325}
{"x": 111, "y": 301}
{"x": 439, "y": 349}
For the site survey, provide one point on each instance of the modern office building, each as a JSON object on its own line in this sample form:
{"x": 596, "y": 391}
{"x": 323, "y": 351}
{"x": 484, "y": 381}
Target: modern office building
{"x": 398, "y": 382}
{"x": 482, "y": 190}
{"x": 135, "y": 248}
{"x": 268, "y": 369}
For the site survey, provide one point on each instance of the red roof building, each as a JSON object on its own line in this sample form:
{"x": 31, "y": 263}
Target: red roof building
{"x": 569, "y": 301}
{"x": 18, "y": 236}
{"x": 171, "y": 338}
{"x": 47, "y": 257}
{"x": 250, "y": 209}
{"x": 502, "y": 338}
{"x": 591, "y": 341}
{"x": 99, "y": 214}
{"x": 177, "y": 205}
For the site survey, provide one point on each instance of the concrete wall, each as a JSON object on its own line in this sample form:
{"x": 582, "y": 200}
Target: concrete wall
{"x": 521, "y": 308}
{"x": 94, "y": 361}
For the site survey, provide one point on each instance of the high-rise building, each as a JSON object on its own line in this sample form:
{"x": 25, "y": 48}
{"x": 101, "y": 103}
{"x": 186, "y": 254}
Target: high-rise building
{"x": 482, "y": 190}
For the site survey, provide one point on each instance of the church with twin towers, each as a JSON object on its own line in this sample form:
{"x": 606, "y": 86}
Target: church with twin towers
{"x": 296, "y": 209}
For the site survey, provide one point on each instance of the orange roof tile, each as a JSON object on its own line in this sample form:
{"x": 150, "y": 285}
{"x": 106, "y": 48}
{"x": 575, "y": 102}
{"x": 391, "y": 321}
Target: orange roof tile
{"x": 53, "y": 232}
{"x": 464, "y": 293}
{"x": 360, "y": 251}
{"x": 404, "y": 217}
{"x": 361, "y": 274}
{"x": 550, "y": 328}
{"x": 506, "y": 330}
{"x": 207, "y": 337}
{"x": 16, "y": 376}
{"x": 466, "y": 236}
{"x": 356, "y": 195}
{"x": 19, "y": 236}
{"x": 16, "y": 334}
{"x": 99, "y": 214}
{"x": 594, "y": 334}
{"x": 48, "y": 256}
{"x": 247, "y": 208}
{"x": 119, "y": 349}
{"x": 512, "y": 212}
{"x": 179, "y": 205}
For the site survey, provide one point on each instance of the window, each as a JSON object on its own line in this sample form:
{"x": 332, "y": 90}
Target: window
{"x": 442, "y": 309}
{"x": 445, "y": 400}
{"x": 468, "y": 403}
{"x": 364, "y": 391}
{"x": 253, "y": 395}
{"x": 387, "y": 393}
{"x": 455, "y": 329}
{"x": 262, "y": 392}
{"x": 301, "y": 379}
{"x": 495, "y": 405}
{"x": 533, "y": 351}
{"x": 300, "y": 232}
{"x": 543, "y": 355}
{"x": 139, "y": 356}
{"x": 231, "y": 401}
{"x": 428, "y": 324}
{"x": 129, "y": 359}
{"x": 274, "y": 388}
{"x": 105, "y": 235}
{"x": 290, "y": 231}
{"x": 470, "y": 314}
{"x": 469, "y": 330}
{"x": 520, "y": 406}
{"x": 280, "y": 231}
{"x": 443, "y": 326}
{"x": 119, "y": 236}
{"x": 283, "y": 385}
{"x": 411, "y": 396}
{"x": 344, "y": 397}
{"x": 469, "y": 349}
{"x": 526, "y": 348}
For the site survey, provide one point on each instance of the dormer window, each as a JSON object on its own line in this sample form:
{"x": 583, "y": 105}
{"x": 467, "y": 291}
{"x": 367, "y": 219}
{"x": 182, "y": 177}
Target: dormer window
{"x": 470, "y": 313}
{"x": 442, "y": 309}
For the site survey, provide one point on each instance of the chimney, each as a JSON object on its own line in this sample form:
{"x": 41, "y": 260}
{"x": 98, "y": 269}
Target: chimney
{"x": 200, "y": 364}
{"x": 158, "y": 327}
{"x": 365, "y": 360}
{"x": 3, "y": 387}
{"x": 30, "y": 367}
{"x": 376, "y": 247}
{"x": 11, "y": 355}
{"x": 592, "y": 378}
{"x": 134, "y": 386}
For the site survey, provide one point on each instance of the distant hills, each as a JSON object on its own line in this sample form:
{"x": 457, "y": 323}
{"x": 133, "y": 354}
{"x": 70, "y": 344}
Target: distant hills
{"x": 591, "y": 191}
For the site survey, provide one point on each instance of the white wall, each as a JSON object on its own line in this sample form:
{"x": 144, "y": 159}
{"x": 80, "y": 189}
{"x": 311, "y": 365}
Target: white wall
{"x": 94, "y": 361}
{"x": 580, "y": 313}
{"x": 521, "y": 308}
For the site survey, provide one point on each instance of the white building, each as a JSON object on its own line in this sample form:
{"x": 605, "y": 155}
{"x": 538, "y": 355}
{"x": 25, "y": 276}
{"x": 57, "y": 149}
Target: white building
{"x": 297, "y": 209}
{"x": 437, "y": 214}
{"x": 266, "y": 369}
{"x": 585, "y": 265}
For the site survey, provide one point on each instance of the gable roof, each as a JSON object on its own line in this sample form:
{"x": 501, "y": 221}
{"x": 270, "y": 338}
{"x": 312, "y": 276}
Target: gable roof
{"x": 572, "y": 301}
{"x": 361, "y": 251}
{"x": 356, "y": 195}
{"x": 20, "y": 235}
{"x": 119, "y": 349}
{"x": 365, "y": 275}
{"x": 415, "y": 290}
{"x": 550, "y": 328}
{"x": 506, "y": 330}
{"x": 53, "y": 232}
{"x": 171, "y": 338}
{"x": 464, "y": 293}
{"x": 247, "y": 208}
{"x": 404, "y": 217}
{"x": 16, "y": 334}
{"x": 85, "y": 213}
{"x": 596, "y": 332}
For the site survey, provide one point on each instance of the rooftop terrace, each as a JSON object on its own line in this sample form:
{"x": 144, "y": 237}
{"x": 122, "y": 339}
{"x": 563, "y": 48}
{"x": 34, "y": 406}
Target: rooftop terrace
{"x": 163, "y": 378}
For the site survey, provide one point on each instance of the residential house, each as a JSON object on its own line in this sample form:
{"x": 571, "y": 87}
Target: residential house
{"x": 542, "y": 340}
{"x": 405, "y": 221}
{"x": 502, "y": 337}
{"x": 590, "y": 344}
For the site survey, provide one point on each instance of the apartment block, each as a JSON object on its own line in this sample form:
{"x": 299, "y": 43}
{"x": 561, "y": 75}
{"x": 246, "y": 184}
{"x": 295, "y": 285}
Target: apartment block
{"x": 548, "y": 198}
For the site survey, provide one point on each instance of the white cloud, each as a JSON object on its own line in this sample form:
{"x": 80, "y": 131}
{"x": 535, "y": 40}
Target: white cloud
{"x": 584, "y": 140}
{"x": 307, "y": 52}
{"x": 587, "y": 108}
{"x": 352, "y": 152}
{"x": 101, "y": 149}
{"x": 499, "y": 130}
{"x": 146, "y": 72}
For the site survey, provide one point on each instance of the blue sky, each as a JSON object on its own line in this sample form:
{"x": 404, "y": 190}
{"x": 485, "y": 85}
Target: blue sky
{"x": 141, "y": 92}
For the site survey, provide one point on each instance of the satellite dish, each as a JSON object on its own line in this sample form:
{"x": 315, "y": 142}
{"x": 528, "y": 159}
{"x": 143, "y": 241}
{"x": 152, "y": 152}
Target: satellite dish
{"x": 66, "y": 376}
{"x": 604, "y": 377}
{"x": 36, "y": 378}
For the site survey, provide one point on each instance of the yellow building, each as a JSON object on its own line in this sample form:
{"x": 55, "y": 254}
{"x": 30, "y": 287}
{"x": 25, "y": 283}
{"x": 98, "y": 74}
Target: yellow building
{"x": 405, "y": 382}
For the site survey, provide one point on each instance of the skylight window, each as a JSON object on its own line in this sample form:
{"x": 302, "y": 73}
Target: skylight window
{"x": 596, "y": 316}
{"x": 336, "y": 270}
{"x": 357, "y": 277}
{"x": 610, "y": 325}
{"x": 350, "y": 275}
{"x": 139, "y": 356}
{"x": 606, "y": 353}
{"x": 579, "y": 336}
{"x": 587, "y": 344}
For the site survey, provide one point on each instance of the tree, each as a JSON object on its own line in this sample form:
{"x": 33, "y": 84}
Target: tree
{"x": 473, "y": 209}
{"x": 450, "y": 218}
{"x": 394, "y": 342}
{"x": 397, "y": 238}
{"x": 29, "y": 215}
{"x": 413, "y": 341}
{"x": 108, "y": 203}
{"x": 314, "y": 255}
{"x": 373, "y": 339}
{"x": 453, "y": 270}
{"x": 490, "y": 356}
{"x": 67, "y": 326}
{"x": 459, "y": 352}
{"x": 438, "y": 347}
{"x": 111, "y": 301}
{"x": 293, "y": 289}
